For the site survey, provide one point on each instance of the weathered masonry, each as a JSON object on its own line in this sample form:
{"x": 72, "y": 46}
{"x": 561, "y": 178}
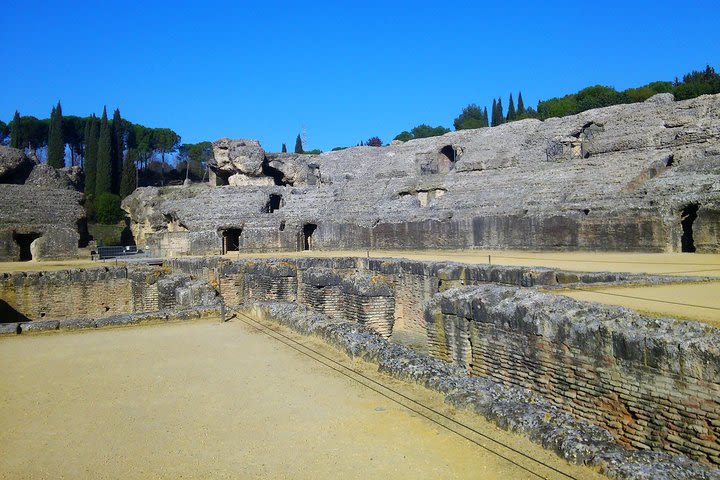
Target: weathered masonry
{"x": 653, "y": 383}
{"x": 84, "y": 297}
{"x": 597, "y": 384}
{"x": 41, "y": 212}
{"x": 638, "y": 177}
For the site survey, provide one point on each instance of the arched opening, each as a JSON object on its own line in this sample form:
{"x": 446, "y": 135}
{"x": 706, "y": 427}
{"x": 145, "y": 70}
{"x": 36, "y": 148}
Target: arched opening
{"x": 307, "y": 233}
{"x": 446, "y": 159}
{"x": 273, "y": 203}
{"x": 688, "y": 216}
{"x": 231, "y": 240}
{"x": 126, "y": 236}
{"x": 282, "y": 225}
{"x": 24, "y": 241}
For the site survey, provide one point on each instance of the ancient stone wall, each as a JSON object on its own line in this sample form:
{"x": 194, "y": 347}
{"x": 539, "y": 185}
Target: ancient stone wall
{"x": 94, "y": 293}
{"x": 41, "y": 213}
{"x": 653, "y": 383}
{"x": 636, "y": 177}
{"x": 316, "y": 282}
{"x": 80, "y": 293}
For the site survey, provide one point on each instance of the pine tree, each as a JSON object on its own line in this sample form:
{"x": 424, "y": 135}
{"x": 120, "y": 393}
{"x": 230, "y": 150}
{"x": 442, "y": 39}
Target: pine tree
{"x": 521, "y": 105}
{"x": 15, "y": 140}
{"x": 116, "y": 148}
{"x": 129, "y": 175}
{"x": 56, "y": 143}
{"x": 511, "y": 110}
{"x": 284, "y": 148}
{"x": 91, "y": 151}
{"x": 298, "y": 145}
{"x": 103, "y": 182}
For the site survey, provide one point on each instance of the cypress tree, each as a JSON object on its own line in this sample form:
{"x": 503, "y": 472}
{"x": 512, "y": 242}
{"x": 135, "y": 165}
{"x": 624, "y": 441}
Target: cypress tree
{"x": 494, "y": 113}
{"x": 521, "y": 105}
{"x": 501, "y": 115}
{"x": 91, "y": 150}
{"x": 511, "y": 110}
{"x": 486, "y": 121}
{"x": 15, "y": 140}
{"x": 284, "y": 148}
{"x": 116, "y": 149}
{"x": 103, "y": 182}
{"x": 298, "y": 145}
{"x": 56, "y": 143}
{"x": 85, "y": 137}
{"x": 129, "y": 175}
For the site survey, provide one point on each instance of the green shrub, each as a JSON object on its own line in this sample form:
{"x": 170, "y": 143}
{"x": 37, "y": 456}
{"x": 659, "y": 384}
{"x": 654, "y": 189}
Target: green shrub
{"x": 107, "y": 208}
{"x": 558, "y": 107}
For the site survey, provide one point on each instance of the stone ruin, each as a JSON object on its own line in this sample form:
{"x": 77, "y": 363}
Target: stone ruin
{"x": 632, "y": 395}
{"x": 637, "y": 397}
{"x": 639, "y": 177}
{"x": 41, "y": 209}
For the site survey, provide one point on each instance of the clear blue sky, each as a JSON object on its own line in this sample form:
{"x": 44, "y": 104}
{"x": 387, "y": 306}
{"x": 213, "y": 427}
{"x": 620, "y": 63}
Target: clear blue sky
{"x": 344, "y": 71}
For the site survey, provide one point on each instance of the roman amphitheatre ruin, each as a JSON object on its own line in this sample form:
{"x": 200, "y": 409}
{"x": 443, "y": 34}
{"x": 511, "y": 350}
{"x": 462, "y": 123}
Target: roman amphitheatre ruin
{"x": 445, "y": 282}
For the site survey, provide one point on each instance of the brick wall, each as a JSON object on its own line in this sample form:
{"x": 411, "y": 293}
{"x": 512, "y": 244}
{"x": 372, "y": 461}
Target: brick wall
{"x": 653, "y": 383}
{"x": 83, "y": 293}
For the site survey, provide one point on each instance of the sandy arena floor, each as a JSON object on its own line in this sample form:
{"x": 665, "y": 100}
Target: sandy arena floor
{"x": 690, "y": 301}
{"x": 207, "y": 400}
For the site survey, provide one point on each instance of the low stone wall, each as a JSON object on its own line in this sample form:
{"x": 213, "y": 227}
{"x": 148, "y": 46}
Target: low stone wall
{"x": 413, "y": 283}
{"x": 49, "y": 326}
{"x": 92, "y": 293}
{"x": 321, "y": 291}
{"x": 510, "y": 407}
{"x": 653, "y": 383}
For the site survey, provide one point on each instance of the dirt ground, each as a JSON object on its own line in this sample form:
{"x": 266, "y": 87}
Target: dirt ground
{"x": 208, "y": 400}
{"x": 691, "y": 301}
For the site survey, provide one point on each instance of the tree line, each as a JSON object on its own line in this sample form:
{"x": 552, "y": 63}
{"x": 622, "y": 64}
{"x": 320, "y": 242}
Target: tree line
{"x": 692, "y": 85}
{"x": 115, "y": 154}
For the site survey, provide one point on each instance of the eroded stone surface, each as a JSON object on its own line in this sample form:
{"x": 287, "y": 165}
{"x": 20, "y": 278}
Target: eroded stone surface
{"x": 41, "y": 212}
{"x": 616, "y": 178}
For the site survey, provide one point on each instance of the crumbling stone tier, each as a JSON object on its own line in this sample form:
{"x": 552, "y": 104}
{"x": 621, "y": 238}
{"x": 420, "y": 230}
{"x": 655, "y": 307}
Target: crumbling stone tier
{"x": 41, "y": 212}
{"x": 637, "y": 177}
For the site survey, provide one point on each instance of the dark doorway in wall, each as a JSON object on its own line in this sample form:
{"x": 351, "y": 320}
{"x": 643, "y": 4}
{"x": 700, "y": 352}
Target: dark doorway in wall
{"x": 308, "y": 230}
{"x": 24, "y": 240}
{"x": 231, "y": 240}
{"x": 273, "y": 203}
{"x": 82, "y": 229}
{"x": 446, "y": 159}
{"x": 688, "y": 216}
{"x": 126, "y": 236}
